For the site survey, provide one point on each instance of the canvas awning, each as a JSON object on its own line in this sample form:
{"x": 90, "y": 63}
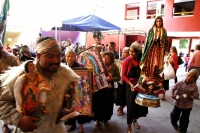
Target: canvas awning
{"x": 87, "y": 23}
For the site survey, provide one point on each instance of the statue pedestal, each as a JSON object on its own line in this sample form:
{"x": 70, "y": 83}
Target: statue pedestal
{"x": 147, "y": 100}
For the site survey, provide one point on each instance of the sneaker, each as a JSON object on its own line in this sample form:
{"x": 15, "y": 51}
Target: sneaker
{"x": 175, "y": 127}
{"x": 197, "y": 97}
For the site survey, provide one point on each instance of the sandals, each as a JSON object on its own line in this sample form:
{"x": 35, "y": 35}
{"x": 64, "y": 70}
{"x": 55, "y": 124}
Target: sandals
{"x": 119, "y": 108}
{"x": 120, "y": 111}
{"x": 97, "y": 123}
{"x": 136, "y": 125}
{"x": 106, "y": 123}
{"x": 71, "y": 128}
{"x": 128, "y": 131}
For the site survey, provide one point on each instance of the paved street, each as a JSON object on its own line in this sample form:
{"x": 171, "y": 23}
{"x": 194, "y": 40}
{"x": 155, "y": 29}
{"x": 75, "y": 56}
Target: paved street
{"x": 157, "y": 121}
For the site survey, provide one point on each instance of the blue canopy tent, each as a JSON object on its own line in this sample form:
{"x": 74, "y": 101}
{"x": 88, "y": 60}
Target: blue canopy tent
{"x": 87, "y": 23}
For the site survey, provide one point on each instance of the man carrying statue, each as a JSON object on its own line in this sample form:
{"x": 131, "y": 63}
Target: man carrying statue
{"x": 58, "y": 77}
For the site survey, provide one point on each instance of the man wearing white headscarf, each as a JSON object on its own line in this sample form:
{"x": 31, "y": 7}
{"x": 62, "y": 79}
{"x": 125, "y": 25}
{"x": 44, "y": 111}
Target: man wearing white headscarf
{"x": 58, "y": 76}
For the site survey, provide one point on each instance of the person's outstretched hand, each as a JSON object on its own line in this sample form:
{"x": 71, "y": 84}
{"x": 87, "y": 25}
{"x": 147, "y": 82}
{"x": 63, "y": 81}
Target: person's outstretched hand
{"x": 174, "y": 97}
{"x": 26, "y": 123}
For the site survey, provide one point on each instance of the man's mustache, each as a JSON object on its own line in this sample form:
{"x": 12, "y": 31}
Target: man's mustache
{"x": 54, "y": 64}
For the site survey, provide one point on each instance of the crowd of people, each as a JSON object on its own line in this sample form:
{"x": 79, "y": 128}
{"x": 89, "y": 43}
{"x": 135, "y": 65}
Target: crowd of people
{"x": 136, "y": 68}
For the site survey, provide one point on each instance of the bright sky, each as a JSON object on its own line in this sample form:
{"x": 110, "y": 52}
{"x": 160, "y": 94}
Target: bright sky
{"x": 47, "y": 13}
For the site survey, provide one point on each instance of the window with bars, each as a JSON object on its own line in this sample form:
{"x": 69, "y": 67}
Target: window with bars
{"x": 183, "y": 7}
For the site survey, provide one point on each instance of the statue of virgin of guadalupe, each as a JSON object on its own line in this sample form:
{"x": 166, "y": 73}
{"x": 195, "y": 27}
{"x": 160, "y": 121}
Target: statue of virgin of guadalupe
{"x": 152, "y": 60}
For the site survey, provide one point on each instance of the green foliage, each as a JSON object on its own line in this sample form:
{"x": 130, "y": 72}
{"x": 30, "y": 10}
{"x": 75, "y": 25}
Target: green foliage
{"x": 162, "y": 11}
{"x": 98, "y": 34}
{"x": 182, "y": 43}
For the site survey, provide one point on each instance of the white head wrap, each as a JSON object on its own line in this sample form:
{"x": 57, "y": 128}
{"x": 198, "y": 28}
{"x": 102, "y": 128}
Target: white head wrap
{"x": 69, "y": 50}
{"x": 48, "y": 45}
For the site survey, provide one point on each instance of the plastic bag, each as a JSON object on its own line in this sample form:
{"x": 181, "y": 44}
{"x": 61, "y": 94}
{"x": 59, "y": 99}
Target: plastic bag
{"x": 168, "y": 72}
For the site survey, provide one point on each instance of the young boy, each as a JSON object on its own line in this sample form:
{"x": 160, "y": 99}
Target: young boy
{"x": 184, "y": 93}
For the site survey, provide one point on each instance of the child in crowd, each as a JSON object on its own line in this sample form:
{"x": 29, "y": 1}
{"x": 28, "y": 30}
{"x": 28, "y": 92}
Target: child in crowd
{"x": 187, "y": 58}
{"x": 184, "y": 93}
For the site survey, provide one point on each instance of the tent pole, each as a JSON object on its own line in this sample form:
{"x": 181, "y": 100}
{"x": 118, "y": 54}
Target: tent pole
{"x": 86, "y": 39}
{"x": 59, "y": 30}
{"x": 119, "y": 43}
{"x": 56, "y": 32}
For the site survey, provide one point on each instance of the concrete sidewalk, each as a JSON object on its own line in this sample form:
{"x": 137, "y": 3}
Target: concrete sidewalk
{"x": 157, "y": 121}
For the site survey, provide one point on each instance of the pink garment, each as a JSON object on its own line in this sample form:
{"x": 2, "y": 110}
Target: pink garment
{"x": 187, "y": 59}
{"x": 195, "y": 59}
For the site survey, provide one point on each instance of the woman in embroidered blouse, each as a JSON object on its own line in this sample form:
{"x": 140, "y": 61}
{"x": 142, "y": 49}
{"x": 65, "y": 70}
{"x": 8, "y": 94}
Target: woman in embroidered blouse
{"x": 104, "y": 98}
{"x": 152, "y": 59}
{"x": 131, "y": 74}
